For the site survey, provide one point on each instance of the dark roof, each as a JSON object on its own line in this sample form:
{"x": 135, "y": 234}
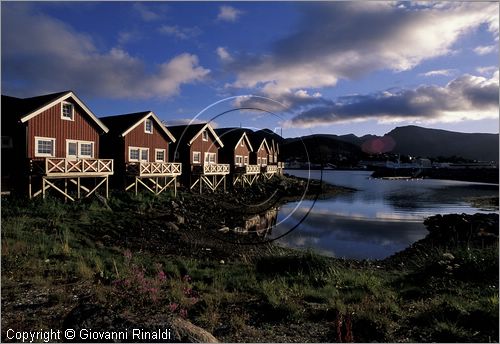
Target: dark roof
{"x": 184, "y": 133}
{"x": 120, "y": 123}
{"x": 19, "y": 107}
{"x": 230, "y": 136}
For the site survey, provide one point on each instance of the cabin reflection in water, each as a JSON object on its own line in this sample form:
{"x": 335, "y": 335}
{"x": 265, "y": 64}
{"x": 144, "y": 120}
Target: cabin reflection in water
{"x": 262, "y": 224}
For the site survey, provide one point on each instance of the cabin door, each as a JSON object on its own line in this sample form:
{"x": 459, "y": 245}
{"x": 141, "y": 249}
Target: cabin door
{"x": 79, "y": 149}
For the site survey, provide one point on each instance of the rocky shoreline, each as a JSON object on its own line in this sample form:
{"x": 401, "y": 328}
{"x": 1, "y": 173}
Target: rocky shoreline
{"x": 163, "y": 262}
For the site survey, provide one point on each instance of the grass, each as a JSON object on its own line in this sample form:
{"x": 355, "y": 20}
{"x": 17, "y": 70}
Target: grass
{"x": 452, "y": 297}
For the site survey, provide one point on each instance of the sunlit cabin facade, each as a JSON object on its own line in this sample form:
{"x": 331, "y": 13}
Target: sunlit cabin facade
{"x": 50, "y": 143}
{"x": 139, "y": 144}
{"x": 197, "y": 148}
{"x": 237, "y": 152}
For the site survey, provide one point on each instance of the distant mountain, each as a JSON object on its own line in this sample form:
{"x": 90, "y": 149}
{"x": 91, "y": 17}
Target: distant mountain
{"x": 418, "y": 141}
{"x": 407, "y": 140}
{"x": 321, "y": 148}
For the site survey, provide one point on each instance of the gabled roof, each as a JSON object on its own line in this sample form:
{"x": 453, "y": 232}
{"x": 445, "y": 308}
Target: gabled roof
{"x": 121, "y": 125}
{"x": 27, "y": 108}
{"x": 188, "y": 133}
{"x": 232, "y": 136}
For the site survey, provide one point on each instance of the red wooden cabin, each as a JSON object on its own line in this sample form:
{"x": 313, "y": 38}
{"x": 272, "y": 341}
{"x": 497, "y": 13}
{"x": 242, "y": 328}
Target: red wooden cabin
{"x": 52, "y": 142}
{"x": 197, "y": 148}
{"x": 139, "y": 144}
{"x": 236, "y": 152}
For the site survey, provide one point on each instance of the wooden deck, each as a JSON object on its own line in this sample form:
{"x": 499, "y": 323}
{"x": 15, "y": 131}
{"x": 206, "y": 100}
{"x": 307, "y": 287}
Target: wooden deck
{"x": 211, "y": 169}
{"x": 247, "y": 169}
{"x": 212, "y": 176}
{"x": 68, "y": 168}
{"x": 245, "y": 175}
{"x": 59, "y": 174}
{"x": 155, "y": 177}
{"x": 154, "y": 169}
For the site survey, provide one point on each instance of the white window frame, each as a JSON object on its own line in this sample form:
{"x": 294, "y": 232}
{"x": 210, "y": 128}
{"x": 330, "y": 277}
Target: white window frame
{"x": 258, "y": 160}
{"x": 40, "y": 138}
{"x": 157, "y": 150}
{"x": 141, "y": 149}
{"x": 242, "y": 144}
{"x": 240, "y": 158}
{"x": 264, "y": 161}
{"x": 72, "y": 111}
{"x": 208, "y": 161}
{"x": 245, "y": 160}
{"x": 198, "y": 154}
{"x": 204, "y": 135}
{"x": 79, "y": 154}
{"x": 146, "y": 121}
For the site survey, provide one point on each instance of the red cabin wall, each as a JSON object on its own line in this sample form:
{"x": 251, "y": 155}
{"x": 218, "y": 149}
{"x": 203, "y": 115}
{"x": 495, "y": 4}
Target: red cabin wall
{"x": 199, "y": 145}
{"x": 243, "y": 151}
{"x": 50, "y": 124}
{"x": 138, "y": 138}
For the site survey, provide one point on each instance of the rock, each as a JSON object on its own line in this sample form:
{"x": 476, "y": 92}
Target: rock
{"x": 224, "y": 229}
{"x": 190, "y": 333}
{"x": 179, "y": 219}
{"x": 171, "y": 226}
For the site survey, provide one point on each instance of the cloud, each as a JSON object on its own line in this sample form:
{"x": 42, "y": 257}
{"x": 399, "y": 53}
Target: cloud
{"x": 148, "y": 14}
{"x": 228, "y": 13}
{"x": 48, "y": 56}
{"x": 486, "y": 70}
{"x": 125, "y": 37}
{"x": 439, "y": 72}
{"x": 348, "y": 40}
{"x": 466, "y": 97}
{"x": 223, "y": 54}
{"x": 180, "y": 32}
{"x": 485, "y": 49}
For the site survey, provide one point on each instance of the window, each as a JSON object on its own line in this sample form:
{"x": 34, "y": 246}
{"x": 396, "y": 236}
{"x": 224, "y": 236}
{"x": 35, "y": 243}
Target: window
{"x": 148, "y": 126}
{"x": 242, "y": 143}
{"x": 246, "y": 160}
{"x": 86, "y": 150}
{"x": 45, "y": 146}
{"x": 264, "y": 161}
{"x": 133, "y": 154}
{"x": 238, "y": 160}
{"x": 79, "y": 149}
{"x": 205, "y": 135}
{"x": 159, "y": 155}
{"x": 67, "y": 112}
{"x": 209, "y": 158}
{"x": 258, "y": 161}
{"x": 136, "y": 154}
{"x": 72, "y": 149}
{"x": 196, "y": 157}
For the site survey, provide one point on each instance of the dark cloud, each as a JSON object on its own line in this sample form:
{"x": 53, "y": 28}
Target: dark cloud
{"x": 41, "y": 54}
{"x": 346, "y": 40}
{"x": 469, "y": 97}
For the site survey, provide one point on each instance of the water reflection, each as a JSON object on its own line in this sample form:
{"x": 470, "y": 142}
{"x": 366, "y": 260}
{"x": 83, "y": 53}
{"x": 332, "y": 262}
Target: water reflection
{"x": 383, "y": 217}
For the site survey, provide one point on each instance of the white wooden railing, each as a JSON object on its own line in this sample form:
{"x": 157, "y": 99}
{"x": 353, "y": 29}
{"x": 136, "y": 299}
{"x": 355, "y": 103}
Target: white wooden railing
{"x": 270, "y": 169}
{"x": 216, "y": 169}
{"x": 247, "y": 169}
{"x": 252, "y": 169}
{"x": 154, "y": 168}
{"x": 63, "y": 166}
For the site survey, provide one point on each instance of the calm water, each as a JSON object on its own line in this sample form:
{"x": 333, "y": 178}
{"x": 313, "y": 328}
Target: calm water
{"x": 383, "y": 217}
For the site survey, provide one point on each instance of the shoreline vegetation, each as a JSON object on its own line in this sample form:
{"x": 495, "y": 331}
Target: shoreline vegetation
{"x": 178, "y": 263}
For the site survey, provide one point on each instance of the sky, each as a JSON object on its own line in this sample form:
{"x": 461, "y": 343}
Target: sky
{"x": 298, "y": 68}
